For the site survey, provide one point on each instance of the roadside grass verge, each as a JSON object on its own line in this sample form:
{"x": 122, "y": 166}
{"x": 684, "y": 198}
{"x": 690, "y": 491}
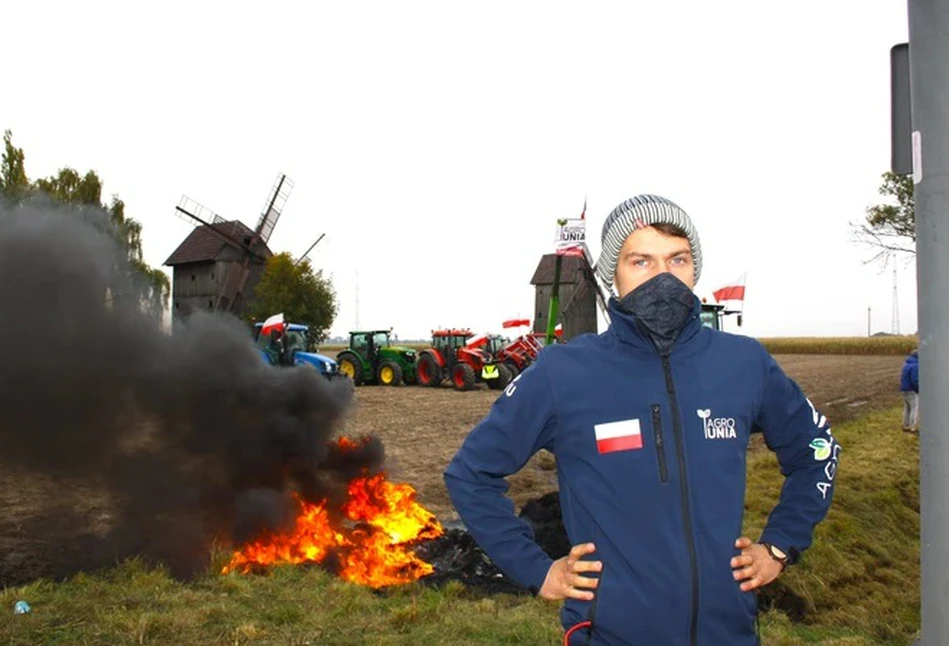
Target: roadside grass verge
{"x": 858, "y": 585}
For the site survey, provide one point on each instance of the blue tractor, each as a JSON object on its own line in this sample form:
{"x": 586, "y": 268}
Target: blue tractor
{"x": 289, "y": 348}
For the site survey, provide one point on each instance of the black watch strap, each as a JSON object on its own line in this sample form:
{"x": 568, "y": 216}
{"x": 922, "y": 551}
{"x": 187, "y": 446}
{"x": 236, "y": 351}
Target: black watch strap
{"x": 783, "y": 560}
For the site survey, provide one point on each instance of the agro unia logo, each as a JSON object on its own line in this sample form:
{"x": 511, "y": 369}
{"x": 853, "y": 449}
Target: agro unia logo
{"x": 821, "y": 448}
{"x": 716, "y": 428}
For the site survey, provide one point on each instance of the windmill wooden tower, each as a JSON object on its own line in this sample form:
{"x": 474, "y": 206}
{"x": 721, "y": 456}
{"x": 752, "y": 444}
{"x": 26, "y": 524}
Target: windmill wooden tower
{"x": 219, "y": 263}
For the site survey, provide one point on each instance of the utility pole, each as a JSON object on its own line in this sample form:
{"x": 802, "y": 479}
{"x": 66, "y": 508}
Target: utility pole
{"x": 895, "y": 324}
{"x": 868, "y": 321}
{"x": 929, "y": 87}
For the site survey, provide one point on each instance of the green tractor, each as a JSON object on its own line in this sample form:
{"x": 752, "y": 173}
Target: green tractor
{"x": 713, "y": 315}
{"x": 372, "y": 359}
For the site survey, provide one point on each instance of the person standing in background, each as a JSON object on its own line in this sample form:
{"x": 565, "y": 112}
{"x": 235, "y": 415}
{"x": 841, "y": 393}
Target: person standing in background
{"x": 909, "y": 386}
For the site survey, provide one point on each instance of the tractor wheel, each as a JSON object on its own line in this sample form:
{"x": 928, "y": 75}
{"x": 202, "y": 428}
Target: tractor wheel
{"x": 503, "y": 379}
{"x": 428, "y": 372}
{"x": 350, "y": 365}
{"x": 409, "y": 375}
{"x": 513, "y": 368}
{"x": 495, "y": 384}
{"x": 463, "y": 377}
{"x": 505, "y": 376}
{"x": 389, "y": 374}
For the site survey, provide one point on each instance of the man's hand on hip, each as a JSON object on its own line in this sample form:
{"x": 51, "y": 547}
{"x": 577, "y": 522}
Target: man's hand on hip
{"x": 564, "y": 577}
{"x": 755, "y": 567}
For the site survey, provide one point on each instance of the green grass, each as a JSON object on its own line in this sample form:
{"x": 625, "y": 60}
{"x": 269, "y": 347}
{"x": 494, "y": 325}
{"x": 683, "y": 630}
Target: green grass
{"x": 857, "y": 586}
{"x": 860, "y": 580}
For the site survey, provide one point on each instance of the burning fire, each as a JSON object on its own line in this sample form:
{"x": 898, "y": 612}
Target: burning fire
{"x": 375, "y": 549}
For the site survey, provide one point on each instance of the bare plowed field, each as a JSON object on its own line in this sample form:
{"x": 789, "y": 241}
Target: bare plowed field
{"x": 423, "y": 427}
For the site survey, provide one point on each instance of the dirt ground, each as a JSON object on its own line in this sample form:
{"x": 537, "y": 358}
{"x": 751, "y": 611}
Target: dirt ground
{"x": 421, "y": 429}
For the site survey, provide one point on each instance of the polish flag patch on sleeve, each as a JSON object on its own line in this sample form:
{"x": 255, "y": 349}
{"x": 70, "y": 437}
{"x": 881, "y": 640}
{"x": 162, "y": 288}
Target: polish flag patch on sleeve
{"x": 623, "y": 435}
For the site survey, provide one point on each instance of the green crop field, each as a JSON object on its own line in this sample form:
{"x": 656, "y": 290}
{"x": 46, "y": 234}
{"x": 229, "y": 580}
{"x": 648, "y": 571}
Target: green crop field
{"x": 882, "y": 345}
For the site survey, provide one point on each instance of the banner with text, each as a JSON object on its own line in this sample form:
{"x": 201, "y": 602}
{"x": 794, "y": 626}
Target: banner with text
{"x": 571, "y": 237}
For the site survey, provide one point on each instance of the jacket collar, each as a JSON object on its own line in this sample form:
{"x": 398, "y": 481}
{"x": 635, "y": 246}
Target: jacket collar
{"x": 624, "y": 327}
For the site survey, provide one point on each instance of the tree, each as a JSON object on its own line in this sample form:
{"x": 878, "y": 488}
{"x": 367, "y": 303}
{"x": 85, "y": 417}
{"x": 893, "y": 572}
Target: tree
{"x": 890, "y": 229}
{"x": 67, "y": 186}
{"x": 294, "y": 289}
{"x": 13, "y": 182}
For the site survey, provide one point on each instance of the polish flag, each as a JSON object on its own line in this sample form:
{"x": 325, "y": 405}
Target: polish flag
{"x": 733, "y": 292}
{"x": 515, "y": 323}
{"x": 618, "y": 436}
{"x": 272, "y": 323}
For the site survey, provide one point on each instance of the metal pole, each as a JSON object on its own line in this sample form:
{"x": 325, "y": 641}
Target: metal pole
{"x": 929, "y": 83}
{"x": 553, "y": 309}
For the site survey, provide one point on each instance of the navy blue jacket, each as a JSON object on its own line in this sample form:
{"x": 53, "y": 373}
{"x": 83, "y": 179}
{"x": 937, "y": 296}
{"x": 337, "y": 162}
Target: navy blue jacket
{"x": 909, "y": 375}
{"x": 650, "y": 456}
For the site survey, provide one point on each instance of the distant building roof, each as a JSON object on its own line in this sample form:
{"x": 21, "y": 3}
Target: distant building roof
{"x": 571, "y": 270}
{"x": 203, "y": 245}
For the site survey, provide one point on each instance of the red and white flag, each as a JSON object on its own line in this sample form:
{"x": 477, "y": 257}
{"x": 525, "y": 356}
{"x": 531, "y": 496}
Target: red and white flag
{"x": 732, "y": 292}
{"x": 618, "y": 436}
{"x": 515, "y": 323}
{"x": 477, "y": 340}
{"x": 272, "y": 323}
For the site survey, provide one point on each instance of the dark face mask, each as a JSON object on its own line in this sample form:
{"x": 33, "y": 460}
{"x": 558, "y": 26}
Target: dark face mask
{"x": 662, "y": 306}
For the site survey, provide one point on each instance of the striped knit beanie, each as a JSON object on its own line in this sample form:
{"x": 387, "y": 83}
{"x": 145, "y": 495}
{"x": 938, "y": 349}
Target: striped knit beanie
{"x": 637, "y": 213}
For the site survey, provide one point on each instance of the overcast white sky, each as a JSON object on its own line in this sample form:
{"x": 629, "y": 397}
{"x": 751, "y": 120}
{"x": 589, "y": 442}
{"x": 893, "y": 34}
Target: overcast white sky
{"x": 436, "y": 143}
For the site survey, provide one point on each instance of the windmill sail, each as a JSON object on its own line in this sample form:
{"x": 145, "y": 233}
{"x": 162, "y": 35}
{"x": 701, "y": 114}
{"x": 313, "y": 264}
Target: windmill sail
{"x": 194, "y": 213}
{"x": 276, "y": 200}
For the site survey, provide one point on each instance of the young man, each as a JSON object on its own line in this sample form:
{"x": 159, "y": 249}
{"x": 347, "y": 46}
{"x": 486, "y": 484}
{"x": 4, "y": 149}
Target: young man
{"x": 909, "y": 386}
{"x": 649, "y": 423}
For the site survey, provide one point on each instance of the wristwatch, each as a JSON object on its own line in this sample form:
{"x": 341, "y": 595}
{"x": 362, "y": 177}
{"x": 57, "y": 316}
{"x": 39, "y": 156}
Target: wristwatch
{"x": 776, "y": 554}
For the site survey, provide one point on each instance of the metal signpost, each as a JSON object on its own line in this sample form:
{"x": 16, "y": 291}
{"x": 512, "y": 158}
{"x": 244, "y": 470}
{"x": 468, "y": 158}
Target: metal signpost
{"x": 926, "y": 59}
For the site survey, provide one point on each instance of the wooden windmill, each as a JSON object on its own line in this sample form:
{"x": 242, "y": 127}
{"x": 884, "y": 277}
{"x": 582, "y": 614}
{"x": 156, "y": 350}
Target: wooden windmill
{"x": 219, "y": 257}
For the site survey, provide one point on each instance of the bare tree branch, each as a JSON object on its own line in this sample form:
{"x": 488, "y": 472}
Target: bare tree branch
{"x": 889, "y": 229}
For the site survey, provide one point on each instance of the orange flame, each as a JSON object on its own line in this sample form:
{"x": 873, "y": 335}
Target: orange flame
{"x": 374, "y": 551}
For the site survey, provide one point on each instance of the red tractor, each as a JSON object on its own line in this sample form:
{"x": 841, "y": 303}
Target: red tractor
{"x": 456, "y": 355}
{"x": 516, "y": 354}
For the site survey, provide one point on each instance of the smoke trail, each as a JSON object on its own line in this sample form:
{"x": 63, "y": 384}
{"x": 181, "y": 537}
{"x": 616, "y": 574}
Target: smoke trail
{"x": 169, "y": 441}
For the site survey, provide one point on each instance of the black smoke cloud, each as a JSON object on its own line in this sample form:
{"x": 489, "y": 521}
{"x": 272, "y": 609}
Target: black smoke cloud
{"x": 183, "y": 440}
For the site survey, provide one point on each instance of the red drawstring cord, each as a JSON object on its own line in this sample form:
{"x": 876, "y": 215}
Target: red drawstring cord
{"x": 573, "y": 629}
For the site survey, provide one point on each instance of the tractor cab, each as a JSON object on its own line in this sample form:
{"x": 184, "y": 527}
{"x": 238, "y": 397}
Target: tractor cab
{"x": 495, "y": 344}
{"x": 289, "y": 348}
{"x": 372, "y": 358}
{"x": 369, "y": 344}
{"x": 450, "y": 339}
{"x": 713, "y": 314}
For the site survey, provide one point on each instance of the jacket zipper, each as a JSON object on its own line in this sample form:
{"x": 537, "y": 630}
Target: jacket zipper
{"x": 686, "y": 513}
{"x": 660, "y": 447}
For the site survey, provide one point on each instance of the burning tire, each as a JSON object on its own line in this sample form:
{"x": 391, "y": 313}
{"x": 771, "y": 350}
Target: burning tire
{"x": 463, "y": 377}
